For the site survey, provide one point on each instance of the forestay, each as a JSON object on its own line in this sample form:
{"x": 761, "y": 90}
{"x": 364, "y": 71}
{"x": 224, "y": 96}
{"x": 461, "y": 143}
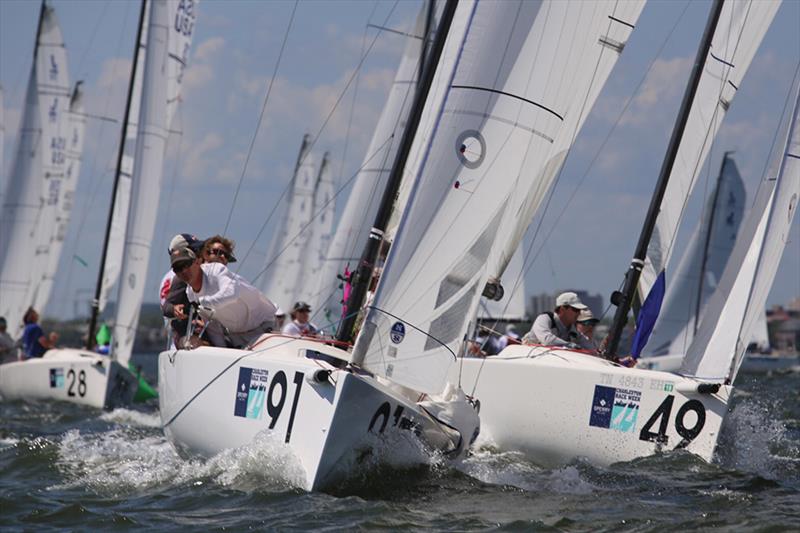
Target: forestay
{"x": 738, "y": 303}
{"x": 283, "y": 268}
{"x": 74, "y": 135}
{"x": 370, "y": 182}
{"x": 34, "y": 187}
{"x": 702, "y": 265}
{"x": 322, "y": 212}
{"x": 515, "y": 82}
{"x": 168, "y": 41}
{"x": 742, "y": 25}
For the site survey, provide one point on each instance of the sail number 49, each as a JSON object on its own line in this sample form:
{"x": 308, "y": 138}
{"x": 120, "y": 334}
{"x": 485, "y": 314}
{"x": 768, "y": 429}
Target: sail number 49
{"x": 662, "y": 415}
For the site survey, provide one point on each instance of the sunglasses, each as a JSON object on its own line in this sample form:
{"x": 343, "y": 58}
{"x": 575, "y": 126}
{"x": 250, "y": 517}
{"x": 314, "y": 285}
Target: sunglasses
{"x": 180, "y": 267}
{"x": 219, "y": 252}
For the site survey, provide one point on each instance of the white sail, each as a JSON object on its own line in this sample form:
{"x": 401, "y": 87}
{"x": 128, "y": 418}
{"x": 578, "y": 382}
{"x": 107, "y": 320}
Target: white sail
{"x": 76, "y": 128}
{"x": 321, "y": 228}
{"x": 760, "y": 337}
{"x": 362, "y": 204}
{"x": 512, "y": 305}
{"x": 736, "y": 306}
{"x": 514, "y": 84}
{"x": 741, "y": 28}
{"x": 119, "y": 221}
{"x": 33, "y": 189}
{"x": 171, "y": 24}
{"x": 284, "y": 260}
{"x": 701, "y": 266}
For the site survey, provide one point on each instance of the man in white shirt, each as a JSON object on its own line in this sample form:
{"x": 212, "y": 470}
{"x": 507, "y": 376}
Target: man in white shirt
{"x": 555, "y": 328}
{"x": 239, "y": 308}
{"x": 300, "y": 325}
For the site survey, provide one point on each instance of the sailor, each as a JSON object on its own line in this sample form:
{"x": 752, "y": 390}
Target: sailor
{"x": 585, "y": 326}
{"x": 218, "y": 249}
{"x": 34, "y": 342}
{"x": 8, "y": 348}
{"x": 280, "y": 319}
{"x": 235, "y": 311}
{"x": 172, "y": 294}
{"x": 556, "y": 328}
{"x": 300, "y": 325}
{"x": 511, "y": 337}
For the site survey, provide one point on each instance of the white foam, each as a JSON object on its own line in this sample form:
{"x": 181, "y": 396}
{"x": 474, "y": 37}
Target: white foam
{"x": 124, "y": 461}
{"x": 132, "y": 418}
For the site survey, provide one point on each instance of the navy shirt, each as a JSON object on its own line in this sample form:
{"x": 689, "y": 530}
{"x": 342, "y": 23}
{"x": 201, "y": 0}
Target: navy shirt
{"x": 30, "y": 341}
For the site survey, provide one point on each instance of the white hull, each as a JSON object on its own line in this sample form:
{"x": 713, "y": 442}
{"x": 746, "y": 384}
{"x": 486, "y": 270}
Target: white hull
{"x": 69, "y": 375}
{"x": 558, "y": 405}
{"x": 213, "y": 399}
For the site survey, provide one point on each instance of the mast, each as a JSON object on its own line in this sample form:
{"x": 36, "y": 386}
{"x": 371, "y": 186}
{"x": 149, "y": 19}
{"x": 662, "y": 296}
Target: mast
{"x": 710, "y": 228}
{"x": 106, "y": 239}
{"x": 624, "y": 298}
{"x": 364, "y": 272}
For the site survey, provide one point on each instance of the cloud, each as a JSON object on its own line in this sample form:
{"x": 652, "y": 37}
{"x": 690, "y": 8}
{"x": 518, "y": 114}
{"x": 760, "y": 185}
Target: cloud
{"x": 209, "y": 48}
{"x": 196, "y": 162}
{"x": 658, "y": 90}
{"x": 201, "y": 69}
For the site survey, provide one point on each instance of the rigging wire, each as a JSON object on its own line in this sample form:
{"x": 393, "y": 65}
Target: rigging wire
{"x": 316, "y": 137}
{"x": 261, "y": 115}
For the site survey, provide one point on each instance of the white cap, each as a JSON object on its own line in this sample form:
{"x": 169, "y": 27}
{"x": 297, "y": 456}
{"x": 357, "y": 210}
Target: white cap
{"x": 587, "y": 316}
{"x": 570, "y": 299}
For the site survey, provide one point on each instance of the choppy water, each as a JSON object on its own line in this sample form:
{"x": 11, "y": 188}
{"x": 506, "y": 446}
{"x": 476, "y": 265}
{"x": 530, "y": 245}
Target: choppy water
{"x": 65, "y": 466}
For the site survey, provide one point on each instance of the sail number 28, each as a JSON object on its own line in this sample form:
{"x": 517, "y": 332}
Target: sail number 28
{"x": 662, "y": 415}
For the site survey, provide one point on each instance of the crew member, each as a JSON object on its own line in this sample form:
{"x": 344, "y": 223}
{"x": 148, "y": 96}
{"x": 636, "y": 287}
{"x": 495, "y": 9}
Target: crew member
{"x": 300, "y": 325}
{"x": 556, "y": 328}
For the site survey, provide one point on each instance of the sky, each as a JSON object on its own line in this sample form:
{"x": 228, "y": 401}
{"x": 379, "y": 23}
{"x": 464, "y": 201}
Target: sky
{"x": 584, "y": 240}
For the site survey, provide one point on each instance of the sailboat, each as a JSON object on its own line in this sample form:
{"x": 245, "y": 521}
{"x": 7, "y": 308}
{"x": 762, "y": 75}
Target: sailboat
{"x": 698, "y": 273}
{"x": 331, "y": 412}
{"x": 284, "y": 260}
{"x": 571, "y": 405}
{"x": 84, "y": 376}
{"x": 33, "y": 190}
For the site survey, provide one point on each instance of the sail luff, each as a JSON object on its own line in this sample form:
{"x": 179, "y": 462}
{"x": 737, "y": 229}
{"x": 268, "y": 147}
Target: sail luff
{"x": 323, "y": 209}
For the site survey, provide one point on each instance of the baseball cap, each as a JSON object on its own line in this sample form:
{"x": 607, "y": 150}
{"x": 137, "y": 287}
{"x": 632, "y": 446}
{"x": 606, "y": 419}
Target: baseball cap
{"x": 280, "y": 312}
{"x": 184, "y": 240}
{"x": 569, "y": 299}
{"x": 587, "y": 316}
{"x": 180, "y": 255}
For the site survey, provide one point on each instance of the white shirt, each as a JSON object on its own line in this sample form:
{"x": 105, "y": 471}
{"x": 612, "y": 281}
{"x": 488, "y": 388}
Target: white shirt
{"x": 163, "y": 287}
{"x": 237, "y": 305}
{"x": 549, "y": 332}
{"x": 296, "y": 329}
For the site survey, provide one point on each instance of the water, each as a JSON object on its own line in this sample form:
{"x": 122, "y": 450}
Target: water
{"x": 64, "y": 466}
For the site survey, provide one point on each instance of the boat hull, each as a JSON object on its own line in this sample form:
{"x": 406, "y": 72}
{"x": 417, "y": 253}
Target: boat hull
{"x": 215, "y": 399}
{"x": 555, "y": 406}
{"x": 70, "y": 375}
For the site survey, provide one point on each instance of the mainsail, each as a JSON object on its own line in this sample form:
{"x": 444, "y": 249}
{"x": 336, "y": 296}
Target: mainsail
{"x": 171, "y": 25}
{"x": 738, "y": 303}
{"x": 76, "y": 127}
{"x": 741, "y": 28}
{"x": 512, "y": 305}
{"x": 284, "y": 259}
{"x": 515, "y": 83}
{"x": 33, "y": 190}
{"x": 702, "y": 265}
{"x": 362, "y": 204}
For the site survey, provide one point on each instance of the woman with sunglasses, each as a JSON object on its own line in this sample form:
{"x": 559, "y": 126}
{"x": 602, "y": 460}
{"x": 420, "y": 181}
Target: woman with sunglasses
{"x": 218, "y": 249}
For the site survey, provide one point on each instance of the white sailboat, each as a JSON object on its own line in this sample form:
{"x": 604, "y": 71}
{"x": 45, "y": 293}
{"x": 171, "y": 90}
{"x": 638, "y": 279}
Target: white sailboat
{"x": 83, "y": 376}
{"x": 332, "y": 415}
{"x": 284, "y": 267}
{"x": 698, "y": 273}
{"x": 572, "y": 405}
{"x": 33, "y": 189}
{"x": 321, "y": 227}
